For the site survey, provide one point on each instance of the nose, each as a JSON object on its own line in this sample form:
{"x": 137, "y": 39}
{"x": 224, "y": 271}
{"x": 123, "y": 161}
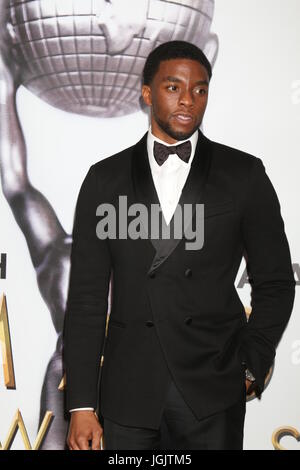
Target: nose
{"x": 186, "y": 97}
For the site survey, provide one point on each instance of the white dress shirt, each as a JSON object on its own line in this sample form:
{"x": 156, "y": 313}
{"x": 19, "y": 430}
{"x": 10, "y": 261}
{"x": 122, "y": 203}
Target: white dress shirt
{"x": 169, "y": 179}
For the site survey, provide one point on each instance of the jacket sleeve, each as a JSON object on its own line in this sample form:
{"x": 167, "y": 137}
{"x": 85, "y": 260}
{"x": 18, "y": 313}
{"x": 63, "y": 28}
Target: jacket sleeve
{"x": 87, "y": 301}
{"x": 270, "y": 274}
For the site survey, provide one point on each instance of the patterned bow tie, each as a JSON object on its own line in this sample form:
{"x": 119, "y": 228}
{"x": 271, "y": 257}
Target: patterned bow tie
{"x": 161, "y": 152}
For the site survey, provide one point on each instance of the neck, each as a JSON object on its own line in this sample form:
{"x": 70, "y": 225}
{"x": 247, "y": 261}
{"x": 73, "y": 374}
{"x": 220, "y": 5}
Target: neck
{"x": 162, "y": 135}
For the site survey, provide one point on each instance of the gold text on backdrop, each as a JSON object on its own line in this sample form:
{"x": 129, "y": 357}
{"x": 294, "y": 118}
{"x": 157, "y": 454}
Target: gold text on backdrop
{"x": 8, "y": 368}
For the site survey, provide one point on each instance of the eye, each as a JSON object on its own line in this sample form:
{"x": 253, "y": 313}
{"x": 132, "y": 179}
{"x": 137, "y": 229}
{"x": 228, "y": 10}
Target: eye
{"x": 172, "y": 87}
{"x": 201, "y": 91}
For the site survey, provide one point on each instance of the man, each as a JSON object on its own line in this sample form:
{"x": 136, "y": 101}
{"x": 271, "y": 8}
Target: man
{"x": 178, "y": 342}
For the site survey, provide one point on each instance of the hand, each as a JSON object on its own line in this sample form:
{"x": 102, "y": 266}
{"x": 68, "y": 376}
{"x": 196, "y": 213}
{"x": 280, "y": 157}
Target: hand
{"x": 4, "y": 4}
{"x": 248, "y": 385}
{"x": 84, "y": 427}
{"x": 9, "y": 69}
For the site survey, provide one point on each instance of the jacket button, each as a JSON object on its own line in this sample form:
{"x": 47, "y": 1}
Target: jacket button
{"x": 188, "y": 272}
{"x": 152, "y": 274}
{"x": 188, "y": 320}
{"x": 149, "y": 323}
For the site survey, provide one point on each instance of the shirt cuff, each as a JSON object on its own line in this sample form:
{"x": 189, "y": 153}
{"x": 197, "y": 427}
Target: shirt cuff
{"x": 77, "y": 409}
{"x": 249, "y": 375}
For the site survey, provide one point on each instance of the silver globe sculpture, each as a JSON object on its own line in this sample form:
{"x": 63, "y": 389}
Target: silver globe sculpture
{"x": 87, "y": 56}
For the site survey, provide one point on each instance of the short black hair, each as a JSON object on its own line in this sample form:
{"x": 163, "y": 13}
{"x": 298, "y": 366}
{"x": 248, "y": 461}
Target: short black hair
{"x": 173, "y": 50}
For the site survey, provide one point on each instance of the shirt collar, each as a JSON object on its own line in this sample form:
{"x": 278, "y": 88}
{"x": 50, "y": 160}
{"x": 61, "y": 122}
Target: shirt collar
{"x": 150, "y": 142}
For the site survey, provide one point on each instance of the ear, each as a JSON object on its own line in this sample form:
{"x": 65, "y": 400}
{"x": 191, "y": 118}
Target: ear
{"x": 146, "y": 94}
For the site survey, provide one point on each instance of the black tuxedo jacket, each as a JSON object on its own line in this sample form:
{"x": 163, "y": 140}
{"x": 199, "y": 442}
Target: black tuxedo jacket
{"x": 175, "y": 311}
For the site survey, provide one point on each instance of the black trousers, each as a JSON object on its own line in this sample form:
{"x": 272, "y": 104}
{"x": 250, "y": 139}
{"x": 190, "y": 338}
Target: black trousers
{"x": 180, "y": 429}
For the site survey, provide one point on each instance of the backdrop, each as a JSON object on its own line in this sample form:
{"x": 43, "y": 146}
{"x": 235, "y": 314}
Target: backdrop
{"x": 81, "y": 61}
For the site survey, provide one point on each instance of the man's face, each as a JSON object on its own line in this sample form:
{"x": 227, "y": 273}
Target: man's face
{"x": 178, "y": 97}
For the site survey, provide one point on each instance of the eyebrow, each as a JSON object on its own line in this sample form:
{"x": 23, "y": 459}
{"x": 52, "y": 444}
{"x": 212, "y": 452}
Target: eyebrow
{"x": 170, "y": 78}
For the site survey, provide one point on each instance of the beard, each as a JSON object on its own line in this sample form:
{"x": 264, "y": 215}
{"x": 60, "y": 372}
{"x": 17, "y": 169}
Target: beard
{"x": 168, "y": 129}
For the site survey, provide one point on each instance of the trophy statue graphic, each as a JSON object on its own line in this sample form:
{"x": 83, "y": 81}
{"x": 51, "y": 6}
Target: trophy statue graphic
{"x": 84, "y": 57}
{"x": 87, "y": 56}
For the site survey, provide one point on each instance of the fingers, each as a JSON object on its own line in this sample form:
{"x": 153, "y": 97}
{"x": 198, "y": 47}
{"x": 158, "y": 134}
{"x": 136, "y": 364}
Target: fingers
{"x": 3, "y": 11}
{"x": 85, "y": 431}
{"x": 82, "y": 442}
{"x": 73, "y": 447}
{"x": 96, "y": 441}
{"x": 4, "y": 18}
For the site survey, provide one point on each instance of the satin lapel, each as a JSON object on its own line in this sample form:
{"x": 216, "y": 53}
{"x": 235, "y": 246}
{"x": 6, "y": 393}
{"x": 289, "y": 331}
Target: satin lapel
{"x": 145, "y": 191}
{"x": 143, "y": 184}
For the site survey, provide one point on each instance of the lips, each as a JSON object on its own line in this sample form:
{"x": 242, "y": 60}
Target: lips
{"x": 184, "y": 118}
